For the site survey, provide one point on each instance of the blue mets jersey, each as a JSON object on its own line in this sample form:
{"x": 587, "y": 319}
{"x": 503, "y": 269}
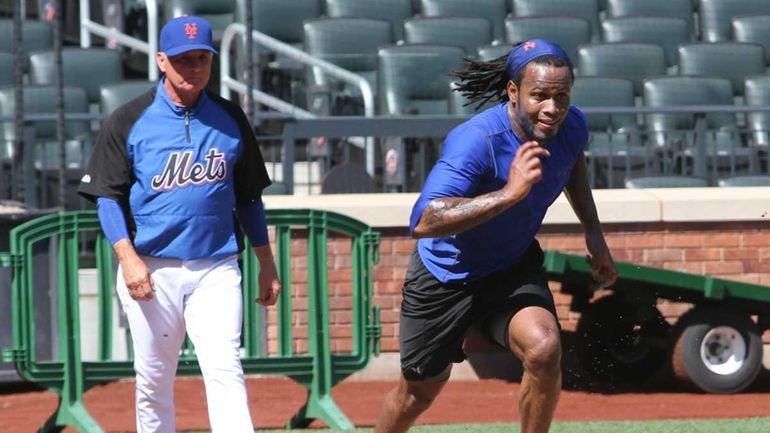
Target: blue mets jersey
{"x": 177, "y": 172}
{"x": 475, "y": 160}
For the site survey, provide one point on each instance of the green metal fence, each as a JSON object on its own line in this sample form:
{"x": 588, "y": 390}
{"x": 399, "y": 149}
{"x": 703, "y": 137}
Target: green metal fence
{"x": 318, "y": 368}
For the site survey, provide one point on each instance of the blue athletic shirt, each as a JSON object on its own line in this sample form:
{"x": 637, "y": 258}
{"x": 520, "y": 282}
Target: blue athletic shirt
{"x": 475, "y": 160}
{"x": 178, "y": 173}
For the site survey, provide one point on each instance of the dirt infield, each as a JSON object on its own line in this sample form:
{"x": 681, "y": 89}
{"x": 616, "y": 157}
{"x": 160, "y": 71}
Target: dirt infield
{"x": 274, "y": 400}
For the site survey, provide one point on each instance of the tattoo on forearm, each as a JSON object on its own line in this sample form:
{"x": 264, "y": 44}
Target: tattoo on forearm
{"x": 454, "y": 214}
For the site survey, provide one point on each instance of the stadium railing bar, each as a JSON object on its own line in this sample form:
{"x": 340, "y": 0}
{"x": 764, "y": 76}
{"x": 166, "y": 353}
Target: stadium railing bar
{"x": 317, "y": 366}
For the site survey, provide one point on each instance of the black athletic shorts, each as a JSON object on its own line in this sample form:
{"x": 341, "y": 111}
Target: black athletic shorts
{"x": 435, "y": 316}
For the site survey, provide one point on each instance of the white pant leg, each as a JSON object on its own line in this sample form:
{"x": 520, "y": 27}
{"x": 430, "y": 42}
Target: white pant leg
{"x": 213, "y": 315}
{"x": 157, "y": 331}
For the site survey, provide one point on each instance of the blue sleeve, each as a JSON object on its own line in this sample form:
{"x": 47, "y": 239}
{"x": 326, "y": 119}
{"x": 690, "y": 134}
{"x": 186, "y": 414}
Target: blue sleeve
{"x": 252, "y": 218}
{"x": 112, "y": 219}
{"x": 464, "y": 160}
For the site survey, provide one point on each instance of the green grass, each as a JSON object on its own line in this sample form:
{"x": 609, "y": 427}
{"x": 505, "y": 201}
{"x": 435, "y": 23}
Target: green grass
{"x": 743, "y": 425}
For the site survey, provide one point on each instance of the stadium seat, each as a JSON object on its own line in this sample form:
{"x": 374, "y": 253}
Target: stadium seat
{"x": 281, "y": 19}
{"x": 347, "y": 178}
{"x": 732, "y": 60}
{"x": 669, "y": 33}
{"x": 716, "y": 16}
{"x": 676, "y": 133}
{"x": 493, "y": 10}
{"x": 653, "y": 8}
{"x": 615, "y": 149}
{"x": 395, "y": 11}
{"x": 44, "y": 158}
{"x": 491, "y": 52}
{"x": 758, "y": 94}
{"x": 414, "y": 79}
{"x": 587, "y": 9}
{"x": 87, "y": 68}
{"x": 568, "y": 32}
{"x": 754, "y": 29}
{"x": 627, "y": 60}
{"x": 759, "y": 180}
{"x": 219, "y": 13}
{"x": 114, "y": 95}
{"x": 667, "y": 182}
{"x": 468, "y": 33}
{"x": 6, "y": 69}
{"x": 36, "y": 35}
{"x": 350, "y": 43}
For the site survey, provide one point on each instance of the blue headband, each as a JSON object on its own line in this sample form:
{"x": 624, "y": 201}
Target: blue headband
{"x": 528, "y": 51}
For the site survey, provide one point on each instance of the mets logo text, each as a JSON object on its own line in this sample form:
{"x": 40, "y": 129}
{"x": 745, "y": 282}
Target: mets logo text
{"x": 191, "y": 29}
{"x": 180, "y": 171}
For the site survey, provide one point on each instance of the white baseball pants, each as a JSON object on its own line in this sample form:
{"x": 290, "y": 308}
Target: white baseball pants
{"x": 202, "y": 297}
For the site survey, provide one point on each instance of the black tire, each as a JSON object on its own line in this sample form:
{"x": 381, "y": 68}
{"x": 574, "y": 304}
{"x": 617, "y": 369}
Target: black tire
{"x": 716, "y": 352}
{"x": 620, "y": 341}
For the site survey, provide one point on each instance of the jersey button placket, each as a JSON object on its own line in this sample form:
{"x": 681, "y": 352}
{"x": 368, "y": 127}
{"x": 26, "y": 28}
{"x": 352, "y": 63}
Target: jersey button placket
{"x": 187, "y": 126}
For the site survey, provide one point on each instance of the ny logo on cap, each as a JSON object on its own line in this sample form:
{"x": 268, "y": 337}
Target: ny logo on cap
{"x": 191, "y": 29}
{"x": 528, "y": 45}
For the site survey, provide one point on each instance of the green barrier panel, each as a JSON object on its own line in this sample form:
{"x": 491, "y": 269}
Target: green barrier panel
{"x": 318, "y": 369}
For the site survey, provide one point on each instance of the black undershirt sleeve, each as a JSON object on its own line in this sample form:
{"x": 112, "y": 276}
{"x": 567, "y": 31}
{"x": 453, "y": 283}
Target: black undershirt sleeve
{"x": 250, "y": 173}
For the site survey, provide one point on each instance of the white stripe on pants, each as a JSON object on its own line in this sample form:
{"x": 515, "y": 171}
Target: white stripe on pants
{"x": 204, "y": 298}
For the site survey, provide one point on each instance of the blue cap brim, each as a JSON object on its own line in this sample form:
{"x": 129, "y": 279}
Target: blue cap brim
{"x": 185, "y": 48}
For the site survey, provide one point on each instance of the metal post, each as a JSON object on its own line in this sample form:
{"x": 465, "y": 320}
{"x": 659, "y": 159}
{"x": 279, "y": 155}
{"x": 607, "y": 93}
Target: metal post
{"x": 59, "y": 82}
{"x": 701, "y": 151}
{"x": 17, "y": 158}
{"x": 249, "y": 61}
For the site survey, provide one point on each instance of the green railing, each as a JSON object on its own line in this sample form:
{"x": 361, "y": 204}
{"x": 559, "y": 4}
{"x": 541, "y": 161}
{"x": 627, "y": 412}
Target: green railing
{"x": 317, "y": 368}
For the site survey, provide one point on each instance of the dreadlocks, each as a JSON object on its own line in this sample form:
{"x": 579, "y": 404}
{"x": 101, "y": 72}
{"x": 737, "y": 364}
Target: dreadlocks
{"x": 482, "y": 81}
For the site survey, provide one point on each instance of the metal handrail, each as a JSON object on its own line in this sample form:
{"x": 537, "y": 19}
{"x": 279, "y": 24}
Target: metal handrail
{"x": 228, "y": 82}
{"x": 150, "y": 47}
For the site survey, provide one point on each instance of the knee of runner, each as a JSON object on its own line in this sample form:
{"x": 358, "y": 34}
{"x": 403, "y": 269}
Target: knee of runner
{"x": 418, "y": 399}
{"x": 545, "y": 355}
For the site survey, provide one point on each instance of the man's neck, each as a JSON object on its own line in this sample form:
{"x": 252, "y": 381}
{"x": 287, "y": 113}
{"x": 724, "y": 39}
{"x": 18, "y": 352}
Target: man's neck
{"x": 180, "y": 98}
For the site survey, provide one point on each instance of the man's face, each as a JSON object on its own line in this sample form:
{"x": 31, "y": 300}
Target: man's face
{"x": 188, "y": 72}
{"x": 541, "y": 102}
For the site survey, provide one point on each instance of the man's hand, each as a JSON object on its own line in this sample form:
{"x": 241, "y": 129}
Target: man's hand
{"x": 599, "y": 257}
{"x": 269, "y": 284}
{"x": 136, "y": 275}
{"x": 526, "y": 169}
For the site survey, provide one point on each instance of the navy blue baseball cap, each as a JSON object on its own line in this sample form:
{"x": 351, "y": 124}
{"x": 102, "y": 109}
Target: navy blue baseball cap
{"x": 184, "y": 34}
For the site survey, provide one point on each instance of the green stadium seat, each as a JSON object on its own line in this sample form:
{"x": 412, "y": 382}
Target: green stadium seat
{"x": 667, "y": 182}
{"x": 676, "y": 132}
{"x": 395, "y": 11}
{"x": 7, "y": 70}
{"x": 716, "y": 16}
{"x": 627, "y": 60}
{"x": 732, "y": 60}
{"x": 587, "y": 9}
{"x": 114, "y": 95}
{"x": 87, "y": 68}
{"x": 414, "y": 79}
{"x": 281, "y": 19}
{"x": 653, "y": 8}
{"x": 759, "y": 180}
{"x": 758, "y": 94}
{"x": 568, "y": 32}
{"x": 615, "y": 149}
{"x": 36, "y": 35}
{"x": 219, "y": 13}
{"x": 468, "y": 33}
{"x": 491, "y": 52}
{"x": 350, "y": 43}
{"x": 493, "y": 10}
{"x": 669, "y": 33}
{"x": 754, "y": 29}
{"x": 44, "y": 158}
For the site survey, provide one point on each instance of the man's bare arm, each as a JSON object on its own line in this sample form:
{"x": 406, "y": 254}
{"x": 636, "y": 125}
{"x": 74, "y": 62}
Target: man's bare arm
{"x": 451, "y": 215}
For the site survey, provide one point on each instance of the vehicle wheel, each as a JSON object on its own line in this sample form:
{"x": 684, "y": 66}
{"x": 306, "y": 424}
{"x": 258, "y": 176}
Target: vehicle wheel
{"x": 622, "y": 341}
{"x": 716, "y": 352}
